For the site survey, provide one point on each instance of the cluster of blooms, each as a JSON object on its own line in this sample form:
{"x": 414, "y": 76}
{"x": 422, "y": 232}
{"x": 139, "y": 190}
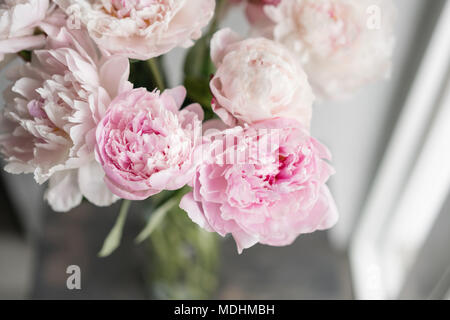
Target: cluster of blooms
{"x": 77, "y": 82}
{"x": 73, "y": 119}
{"x": 342, "y": 44}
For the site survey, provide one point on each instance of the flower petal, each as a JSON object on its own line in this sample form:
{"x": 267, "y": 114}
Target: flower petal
{"x": 92, "y": 185}
{"x": 63, "y": 192}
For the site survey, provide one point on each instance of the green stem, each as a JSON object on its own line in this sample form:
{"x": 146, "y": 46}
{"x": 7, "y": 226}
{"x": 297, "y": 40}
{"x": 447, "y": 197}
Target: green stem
{"x": 124, "y": 207}
{"x": 154, "y": 68}
{"x": 25, "y": 55}
{"x": 156, "y": 219}
{"x": 112, "y": 241}
{"x": 218, "y": 15}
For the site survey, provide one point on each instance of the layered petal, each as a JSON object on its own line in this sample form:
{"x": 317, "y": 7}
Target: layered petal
{"x": 18, "y": 21}
{"x": 141, "y": 29}
{"x": 63, "y": 193}
{"x": 146, "y": 145}
{"x": 342, "y": 44}
{"x": 257, "y": 79}
{"x": 92, "y": 185}
{"x": 52, "y": 110}
{"x": 262, "y": 183}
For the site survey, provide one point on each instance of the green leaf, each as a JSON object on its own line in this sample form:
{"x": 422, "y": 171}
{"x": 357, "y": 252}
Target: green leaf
{"x": 198, "y": 61}
{"x": 155, "y": 69}
{"x": 156, "y": 218}
{"x": 25, "y": 55}
{"x": 142, "y": 74}
{"x": 112, "y": 241}
{"x": 198, "y": 90}
{"x": 198, "y": 69}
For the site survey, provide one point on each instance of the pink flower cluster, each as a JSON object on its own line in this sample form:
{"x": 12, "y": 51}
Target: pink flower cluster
{"x": 263, "y": 180}
{"x": 272, "y": 193}
{"x": 51, "y": 113}
{"x": 342, "y": 44}
{"x": 77, "y": 82}
{"x": 141, "y": 29}
{"x": 73, "y": 119}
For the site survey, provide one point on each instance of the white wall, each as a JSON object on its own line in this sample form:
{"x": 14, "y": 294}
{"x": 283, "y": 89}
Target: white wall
{"x": 357, "y": 129}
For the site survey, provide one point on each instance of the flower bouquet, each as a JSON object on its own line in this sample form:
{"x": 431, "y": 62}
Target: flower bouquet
{"x": 88, "y": 112}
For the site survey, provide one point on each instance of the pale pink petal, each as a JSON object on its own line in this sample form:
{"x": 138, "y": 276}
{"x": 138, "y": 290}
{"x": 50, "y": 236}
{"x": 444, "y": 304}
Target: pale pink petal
{"x": 177, "y": 93}
{"x": 194, "y": 211}
{"x": 63, "y": 192}
{"x": 115, "y": 67}
{"x": 92, "y": 186}
{"x": 243, "y": 240}
{"x": 130, "y": 195}
{"x": 22, "y": 43}
{"x": 144, "y": 29}
{"x": 332, "y": 40}
{"x": 257, "y": 79}
{"x": 195, "y": 109}
{"x": 214, "y": 124}
{"x": 331, "y": 215}
{"x": 219, "y": 43}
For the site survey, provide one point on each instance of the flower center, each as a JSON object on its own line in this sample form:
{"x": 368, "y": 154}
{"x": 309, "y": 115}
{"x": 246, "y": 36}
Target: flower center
{"x": 147, "y": 10}
{"x": 35, "y": 108}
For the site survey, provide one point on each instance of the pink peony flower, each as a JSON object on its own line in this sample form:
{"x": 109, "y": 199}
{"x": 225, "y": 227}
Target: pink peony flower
{"x": 141, "y": 29}
{"x": 343, "y": 44}
{"x": 254, "y": 9}
{"x": 145, "y": 145}
{"x": 18, "y": 21}
{"x": 257, "y": 79}
{"x": 262, "y": 183}
{"x": 258, "y": 2}
{"x": 52, "y": 109}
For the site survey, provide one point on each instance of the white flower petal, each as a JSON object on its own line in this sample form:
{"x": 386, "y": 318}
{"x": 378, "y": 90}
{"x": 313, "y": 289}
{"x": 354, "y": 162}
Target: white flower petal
{"x": 63, "y": 193}
{"x": 92, "y": 186}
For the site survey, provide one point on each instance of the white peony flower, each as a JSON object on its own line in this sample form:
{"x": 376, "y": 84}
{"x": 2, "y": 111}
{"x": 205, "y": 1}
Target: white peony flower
{"x": 257, "y": 79}
{"x": 141, "y": 29}
{"x": 51, "y": 113}
{"x": 18, "y": 20}
{"x": 343, "y": 44}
